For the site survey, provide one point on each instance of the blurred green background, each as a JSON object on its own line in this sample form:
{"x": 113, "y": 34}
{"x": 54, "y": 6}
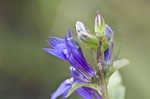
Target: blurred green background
{"x": 27, "y": 72}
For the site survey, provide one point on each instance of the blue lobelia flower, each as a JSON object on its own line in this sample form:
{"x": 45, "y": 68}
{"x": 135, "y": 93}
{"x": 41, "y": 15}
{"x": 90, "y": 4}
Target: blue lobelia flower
{"x": 68, "y": 49}
{"x": 108, "y": 51}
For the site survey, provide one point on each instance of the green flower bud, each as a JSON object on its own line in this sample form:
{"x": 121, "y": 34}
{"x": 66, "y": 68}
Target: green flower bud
{"x": 99, "y": 25}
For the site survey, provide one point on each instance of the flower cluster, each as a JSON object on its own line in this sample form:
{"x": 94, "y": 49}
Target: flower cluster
{"x": 92, "y": 82}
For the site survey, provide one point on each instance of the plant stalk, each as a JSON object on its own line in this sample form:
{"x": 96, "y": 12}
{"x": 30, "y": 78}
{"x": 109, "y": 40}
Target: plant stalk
{"x": 103, "y": 82}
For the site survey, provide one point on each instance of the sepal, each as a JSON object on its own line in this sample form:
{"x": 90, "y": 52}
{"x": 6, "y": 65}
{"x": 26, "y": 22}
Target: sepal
{"x": 77, "y": 85}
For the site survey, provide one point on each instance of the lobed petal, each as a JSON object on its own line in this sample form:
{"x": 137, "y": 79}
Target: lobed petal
{"x": 52, "y": 44}
{"x": 57, "y": 40}
{"x": 54, "y": 52}
{"x": 63, "y": 88}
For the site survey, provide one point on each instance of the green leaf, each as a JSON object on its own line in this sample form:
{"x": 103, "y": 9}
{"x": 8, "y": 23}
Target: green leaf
{"x": 120, "y": 63}
{"x": 77, "y": 85}
{"x": 116, "y": 89}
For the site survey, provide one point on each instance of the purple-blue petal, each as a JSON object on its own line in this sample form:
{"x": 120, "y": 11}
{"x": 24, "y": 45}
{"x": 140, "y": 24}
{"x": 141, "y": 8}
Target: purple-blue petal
{"x": 57, "y": 40}
{"x": 69, "y": 33}
{"x": 63, "y": 88}
{"x": 78, "y": 76}
{"x": 108, "y": 54}
{"x": 108, "y": 31}
{"x": 76, "y": 57}
{"x": 52, "y": 44}
{"x": 96, "y": 95}
{"x": 65, "y": 93}
{"x": 87, "y": 93}
{"x": 54, "y": 52}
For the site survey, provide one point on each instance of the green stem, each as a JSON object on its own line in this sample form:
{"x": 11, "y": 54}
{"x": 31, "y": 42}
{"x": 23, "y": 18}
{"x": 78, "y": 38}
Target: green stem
{"x": 102, "y": 81}
{"x": 103, "y": 84}
{"x": 104, "y": 87}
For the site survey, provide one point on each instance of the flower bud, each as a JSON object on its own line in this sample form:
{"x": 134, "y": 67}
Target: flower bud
{"x": 99, "y": 25}
{"x": 82, "y": 32}
{"x": 84, "y": 36}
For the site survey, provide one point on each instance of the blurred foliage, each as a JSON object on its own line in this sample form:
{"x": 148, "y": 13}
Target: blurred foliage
{"x": 26, "y": 71}
{"x": 115, "y": 88}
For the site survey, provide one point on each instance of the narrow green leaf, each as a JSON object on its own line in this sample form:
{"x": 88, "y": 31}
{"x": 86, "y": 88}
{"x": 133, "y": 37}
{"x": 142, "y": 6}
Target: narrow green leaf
{"x": 73, "y": 88}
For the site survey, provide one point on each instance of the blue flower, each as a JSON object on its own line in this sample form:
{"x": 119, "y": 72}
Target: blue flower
{"x": 68, "y": 49}
{"x": 108, "y": 51}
